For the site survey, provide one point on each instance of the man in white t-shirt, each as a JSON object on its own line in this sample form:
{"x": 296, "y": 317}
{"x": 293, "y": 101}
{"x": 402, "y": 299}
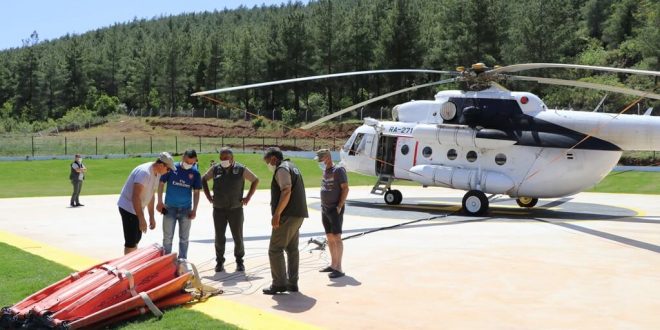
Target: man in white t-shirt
{"x": 138, "y": 192}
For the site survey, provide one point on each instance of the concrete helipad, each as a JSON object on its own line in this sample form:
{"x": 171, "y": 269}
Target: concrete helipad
{"x": 585, "y": 261}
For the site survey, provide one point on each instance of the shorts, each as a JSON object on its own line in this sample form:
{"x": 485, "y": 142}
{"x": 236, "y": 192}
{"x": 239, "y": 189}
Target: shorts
{"x": 132, "y": 233}
{"x": 332, "y": 220}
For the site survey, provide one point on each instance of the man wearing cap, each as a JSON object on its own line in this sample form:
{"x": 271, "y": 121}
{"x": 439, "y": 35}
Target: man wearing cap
{"x": 77, "y": 176}
{"x": 334, "y": 190}
{"x": 228, "y": 184}
{"x": 179, "y": 206}
{"x": 138, "y": 192}
{"x": 288, "y": 208}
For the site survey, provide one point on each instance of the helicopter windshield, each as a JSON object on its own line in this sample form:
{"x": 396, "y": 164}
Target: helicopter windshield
{"x": 357, "y": 146}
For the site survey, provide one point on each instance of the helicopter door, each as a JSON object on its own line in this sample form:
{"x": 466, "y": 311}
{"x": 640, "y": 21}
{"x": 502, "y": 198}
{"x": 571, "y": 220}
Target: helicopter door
{"x": 385, "y": 155}
{"x": 406, "y": 148}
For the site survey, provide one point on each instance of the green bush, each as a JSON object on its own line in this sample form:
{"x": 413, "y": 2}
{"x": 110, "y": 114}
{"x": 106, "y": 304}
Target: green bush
{"x": 289, "y": 116}
{"x": 258, "y": 123}
{"x": 317, "y": 104}
{"x": 106, "y": 105}
{"x": 77, "y": 118}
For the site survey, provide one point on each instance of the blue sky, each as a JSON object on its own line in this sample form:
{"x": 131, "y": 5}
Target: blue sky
{"x": 55, "y": 18}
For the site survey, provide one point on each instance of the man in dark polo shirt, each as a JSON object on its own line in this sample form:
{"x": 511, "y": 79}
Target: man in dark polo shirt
{"x": 228, "y": 183}
{"x": 77, "y": 176}
{"x": 334, "y": 190}
{"x": 288, "y": 207}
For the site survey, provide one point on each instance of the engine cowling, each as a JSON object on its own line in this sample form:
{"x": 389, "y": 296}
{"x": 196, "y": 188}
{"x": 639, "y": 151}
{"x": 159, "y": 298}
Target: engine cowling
{"x": 462, "y": 136}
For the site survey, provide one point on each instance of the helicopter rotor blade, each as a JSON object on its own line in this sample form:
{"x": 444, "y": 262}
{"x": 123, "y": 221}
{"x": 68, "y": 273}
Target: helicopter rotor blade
{"x": 531, "y": 66}
{"x": 325, "y": 76}
{"x": 372, "y": 100}
{"x": 583, "y": 84}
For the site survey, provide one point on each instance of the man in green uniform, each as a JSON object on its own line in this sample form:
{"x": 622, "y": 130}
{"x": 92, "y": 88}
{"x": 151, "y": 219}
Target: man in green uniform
{"x": 288, "y": 207}
{"x": 228, "y": 183}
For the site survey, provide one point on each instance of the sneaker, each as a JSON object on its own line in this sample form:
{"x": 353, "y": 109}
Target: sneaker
{"x": 272, "y": 290}
{"x": 219, "y": 268}
{"x": 79, "y": 204}
{"x": 335, "y": 274}
{"x": 326, "y": 270}
{"x": 292, "y": 287}
{"x": 240, "y": 267}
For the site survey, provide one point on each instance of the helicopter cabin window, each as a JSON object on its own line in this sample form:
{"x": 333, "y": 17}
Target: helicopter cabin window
{"x": 500, "y": 159}
{"x": 471, "y": 156}
{"x": 427, "y": 152}
{"x": 357, "y": 146}
{"x": 452, "y": 154}
{"x": 405, "y": 149}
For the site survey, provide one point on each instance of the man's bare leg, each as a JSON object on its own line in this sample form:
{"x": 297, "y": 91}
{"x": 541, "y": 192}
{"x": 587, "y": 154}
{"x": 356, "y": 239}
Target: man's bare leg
{"x": 331, "y": 247}
{"x": 339, "y": 251}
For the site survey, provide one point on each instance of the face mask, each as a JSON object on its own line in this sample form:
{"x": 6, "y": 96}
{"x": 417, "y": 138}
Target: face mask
{"x": 272, "y": 168}
{"x": 225, "y": 163}
{"x": 186, "y": 166}
{"x": 322, "y": 166}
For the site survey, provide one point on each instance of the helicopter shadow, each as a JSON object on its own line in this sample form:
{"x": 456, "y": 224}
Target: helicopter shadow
{"x": 504, "y": 209}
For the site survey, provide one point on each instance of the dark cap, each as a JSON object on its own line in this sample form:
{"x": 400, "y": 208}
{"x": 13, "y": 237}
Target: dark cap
{"x": 191, "y": 153}
{"x": 274, "y": 151}
{"x": 226, "y": 151}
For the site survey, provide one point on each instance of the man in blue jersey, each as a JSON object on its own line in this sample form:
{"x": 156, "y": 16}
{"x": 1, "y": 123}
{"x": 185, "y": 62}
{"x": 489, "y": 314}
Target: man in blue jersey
{"x": 181, "y": 201}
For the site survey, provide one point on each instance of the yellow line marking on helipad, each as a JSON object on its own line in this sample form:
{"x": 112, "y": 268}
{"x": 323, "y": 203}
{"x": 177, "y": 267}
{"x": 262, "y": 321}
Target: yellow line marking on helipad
{"x": 217, "y": 307}
{"x": 246, "y": 317}
{"x": 53, "y": 254}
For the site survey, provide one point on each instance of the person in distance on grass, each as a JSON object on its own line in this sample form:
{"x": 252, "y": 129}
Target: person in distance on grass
{"x": 288, "y": 208}
{"x": 228, "y": 184}
{"x": 138, "y": 192}
{"x": 77, "y": 176}
{"x": 334, "y": 190}
{"x": 181, "y": 201}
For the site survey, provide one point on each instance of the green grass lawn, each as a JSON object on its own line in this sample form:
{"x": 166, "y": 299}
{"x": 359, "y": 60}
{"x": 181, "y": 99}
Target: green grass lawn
{"x": 24, "y": 273}
{"x": 630, "y": 182}
{"x": 107, "y": 176}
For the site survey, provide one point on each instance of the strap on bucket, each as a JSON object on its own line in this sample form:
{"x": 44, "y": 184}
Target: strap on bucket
{"x": 150, "y": 304}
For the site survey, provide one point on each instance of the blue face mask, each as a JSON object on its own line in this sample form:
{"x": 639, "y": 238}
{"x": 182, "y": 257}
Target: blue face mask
{"x": 322, "y": 166}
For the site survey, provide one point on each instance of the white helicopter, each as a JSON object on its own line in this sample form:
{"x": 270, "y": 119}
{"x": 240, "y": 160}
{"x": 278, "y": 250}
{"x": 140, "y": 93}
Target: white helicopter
{"x": 487, "y": 140}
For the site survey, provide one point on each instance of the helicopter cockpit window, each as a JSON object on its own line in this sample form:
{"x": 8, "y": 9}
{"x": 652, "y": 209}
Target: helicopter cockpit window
{"x": 358, "y": 145}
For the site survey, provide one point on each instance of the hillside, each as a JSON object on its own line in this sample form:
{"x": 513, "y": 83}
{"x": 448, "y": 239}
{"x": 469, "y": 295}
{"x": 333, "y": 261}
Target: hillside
{"x": 135, "y": 127}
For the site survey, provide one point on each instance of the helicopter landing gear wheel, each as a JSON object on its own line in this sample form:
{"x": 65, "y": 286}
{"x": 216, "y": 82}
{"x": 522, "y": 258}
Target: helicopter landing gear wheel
{"x": 475, "y": 203}
{"x": 528, "y": 202}
{"x": 393, "y": 197}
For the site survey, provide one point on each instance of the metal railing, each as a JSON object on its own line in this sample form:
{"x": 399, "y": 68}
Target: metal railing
{"x": 62, "y": 145}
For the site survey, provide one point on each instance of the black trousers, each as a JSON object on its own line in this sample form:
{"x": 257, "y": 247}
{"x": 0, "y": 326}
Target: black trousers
{"x": 77, "y": 187}
{"x": 233, "y": 218}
